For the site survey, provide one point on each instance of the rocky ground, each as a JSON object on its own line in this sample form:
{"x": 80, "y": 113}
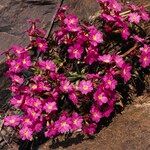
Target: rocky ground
{"x": 129, "y": 130}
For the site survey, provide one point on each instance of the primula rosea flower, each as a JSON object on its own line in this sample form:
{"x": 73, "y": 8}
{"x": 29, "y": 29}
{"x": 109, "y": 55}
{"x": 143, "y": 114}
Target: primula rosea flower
{"x": 125, "y": 33}
{"x": 50, "y": 107}
{"x": 90, "y": 129}
{"x": 114, "y": 5}
{"x": 75, "y": 51}
{"x": 95, "y": 36}
{"x": 71, "y": 20}
{"x": 118, "y": 60}
{"x": 134, "y": 18}
{"x": 107, "y": 17}
{"x": 66, "y": 86}
{"x": 51, "y": 131}
{"x": 16, "y": 101}
{"x": 145, "y": 59}
{"x": 17, "y": 79}
{"x": 26, "y": 133}
{"x": 105, "y": 58}
{"x": 41, "y": 44}
{"x": 76, "y": 122}
{"x": 73, "y": 97}
{"x": 63, "y": 124}
{"x": 85, "y": 86}
{"x": 126, "y": 72}
{"x": 100, "y": 97}
{"x": 27, "y": 121}
{"x": 109, "y": 82}
{"x": 92, "y": 55}
{"x": 26, "y": 61}
{"x": 12, "y": 121}
{"x": 138, "y": 39}
{"x": 96, "y": 115}
{"x": 145, "y": 49}
{"x": 47, "y": 65}
{"x": 18, "y": 50}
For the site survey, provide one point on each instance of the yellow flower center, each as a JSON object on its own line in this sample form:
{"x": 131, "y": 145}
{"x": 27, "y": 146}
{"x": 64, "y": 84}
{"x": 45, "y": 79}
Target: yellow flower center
{"x": 85, "y": 87}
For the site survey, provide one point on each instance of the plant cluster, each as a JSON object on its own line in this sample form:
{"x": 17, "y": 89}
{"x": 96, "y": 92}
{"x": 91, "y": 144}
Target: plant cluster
{"x": 69, "y": 83}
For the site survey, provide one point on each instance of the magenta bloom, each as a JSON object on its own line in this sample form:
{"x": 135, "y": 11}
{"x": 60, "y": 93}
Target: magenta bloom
{"x": 76, "y": 122}
{"x": 85, "y": 87}
{"x": 126, "y": 72}
{"x": 37, "y": 104}
{"x": 27, "y": 121}
{"x": 109, "y": 82}
{"x": 66, "y": 86}
{"x": 63, "y": 124}
{"x": 41, "y": 44}
{"x": 107, "y": 58}
{"x": 15, "y": 66}
{"x": 18, "y": 50}
{"x": 73, "y": 97}
{"x": 47, "y": 65}
{"x": 114, "y": 5}
{"x": 119, "y": 61}
{"x": 90, "y": 129}
{"x": 145, "y": 15}
{"x": 75, "y": 51}
{"x": 50, "y": 107}
{"x": 134, "y": 18}
{"x": 100, "y": 97}
{"x": 96, "y": 37}
{"x": 96, "y": 115}
{"x": 125, "y": 33}
{"x": 145, "y": 49}
{"x": 17, "y": 79}
{"x": 71, "y": 20}
{"x": 107, "y": 17}
{"x": 138, "y": 38}
{"x": 12, "y": 121}
{"x": 26, "y": 62}
{"x": 51, "y": 131}
{"x": 16, "y": 101}
{"x": 33, "y": 114}
{"x": 145, "y": 60}
{"x": 26, "y": 133}
{"x": 92, "y": 55}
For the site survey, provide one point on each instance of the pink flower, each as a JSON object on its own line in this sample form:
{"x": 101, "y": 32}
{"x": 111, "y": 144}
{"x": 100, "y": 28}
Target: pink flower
{"x": 75, "y": 51}
{"x": 27, "y": 121}
{"x": 16, "y": 101}
{"x": 26, "y": 61}
{"x": 118, "y": 60}
{"x": 126, "y": 72}
{"x": 100, "y": 97}
{"x": 12, "y": 121}
{"x": 107, "y": 109}
{"x": 145, "y": 15}
{"x": 107, "y": 17}
{"x": 114, "y": 5}
{"x": 66, "y": 86}
{"x": 145, "y": 49}
{"x": 18, "y": 50}
{"x": 63, "y": 124}
{"x": 37, "y": 104}
{"x": 73, "y": 97}
{"x": 33, "y": 113}
{"x": 145, "y": 60}
{"x": 138, "y": 39}
{"x": 17, "y": 79}
{"x": 90, "y": 129}
{"x": 92, "y": 55}
{"x": 125, "y": 33}
{"x": 47, "y": 65}
{"x": 38, "y": 126}
{"x": 72, "y": 23}
{"x": 134, "y": 18}
{"x": 71, "y": 20}
{"x": 76, "y": 120}
{"x": 107, "y": 58}
{"x": 50, "y": 107}
{"x": 109, "y": 82}
{"x": 26, "y": 133}
{"x": 15, "y": 66}
{"x": 96, "y": 115}
{"x": 85, "y": 86}
{"x": 41, "y": 44}
{"x": 95, "y": 36}
{"x": 51, "y": 131}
